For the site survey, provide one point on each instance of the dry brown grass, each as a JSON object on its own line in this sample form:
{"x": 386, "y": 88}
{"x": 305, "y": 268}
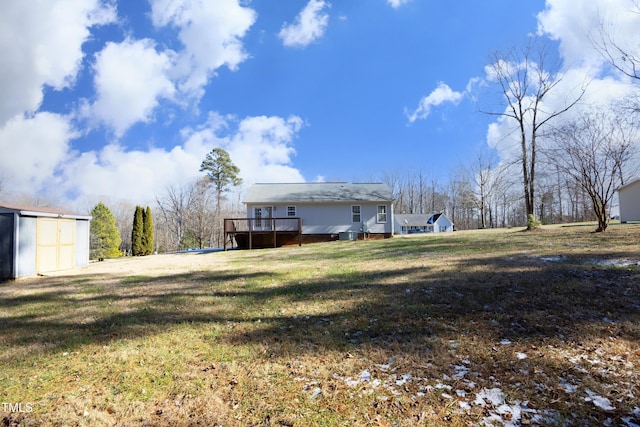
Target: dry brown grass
{"x": 485, "y": 327}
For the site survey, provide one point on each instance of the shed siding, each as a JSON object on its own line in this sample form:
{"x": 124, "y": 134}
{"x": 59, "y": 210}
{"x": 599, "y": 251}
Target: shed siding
{"x": 26, "y": 246}
{"x": 82, "y": 243}
{"x": 629, "y": 198}
{"x": 6, "y": 246}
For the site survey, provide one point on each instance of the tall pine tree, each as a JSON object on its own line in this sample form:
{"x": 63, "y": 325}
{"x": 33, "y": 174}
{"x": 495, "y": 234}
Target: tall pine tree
{"x": 148, "y": 231}
{"x": 137, "y": 233}
{"x": 223, "y": 174}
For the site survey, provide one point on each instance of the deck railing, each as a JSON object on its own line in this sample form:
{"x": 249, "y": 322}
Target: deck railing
{"x": 233, "y": 226}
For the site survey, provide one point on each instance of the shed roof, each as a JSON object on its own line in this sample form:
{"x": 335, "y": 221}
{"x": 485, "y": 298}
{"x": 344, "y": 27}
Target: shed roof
{"x": 629, "y": 184}
{"x": 318, "y": 192}
{"x": 45, "y": 211}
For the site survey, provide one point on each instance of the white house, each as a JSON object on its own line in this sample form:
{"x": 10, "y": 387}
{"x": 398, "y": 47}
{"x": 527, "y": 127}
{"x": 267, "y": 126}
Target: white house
{"x": 36, "y": 240}
{"x": 629, "y": 201}
{"x": 422, "y": 223}
{"x": 327, "y": 210}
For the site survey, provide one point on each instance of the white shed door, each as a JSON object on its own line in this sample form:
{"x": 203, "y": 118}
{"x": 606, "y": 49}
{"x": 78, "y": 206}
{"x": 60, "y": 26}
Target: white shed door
{"x": 55, "y": 244}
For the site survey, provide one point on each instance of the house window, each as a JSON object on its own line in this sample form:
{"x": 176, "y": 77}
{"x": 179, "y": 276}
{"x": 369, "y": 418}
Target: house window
{"x": 291, "y": 211}
{"x": 355, "y": 213}
{"x": 382, "y": 213}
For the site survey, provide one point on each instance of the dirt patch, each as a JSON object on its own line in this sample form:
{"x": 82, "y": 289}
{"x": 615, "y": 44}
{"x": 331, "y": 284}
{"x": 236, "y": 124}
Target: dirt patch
{"x": 149, "y": 265}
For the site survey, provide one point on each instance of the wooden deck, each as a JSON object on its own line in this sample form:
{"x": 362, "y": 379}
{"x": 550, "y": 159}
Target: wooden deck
{"x": 255, "y": 233}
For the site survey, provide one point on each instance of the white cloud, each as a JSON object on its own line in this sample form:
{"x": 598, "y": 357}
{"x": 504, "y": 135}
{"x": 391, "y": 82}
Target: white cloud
{"x": 38, "y": 158}
{"x": 136, "y": 176}
{"x": 397, "y": 3}
{"x": 443, "y": 93}
{"x": 309, "y": 26}
{"x": 577, "y": 32}
{"x": 211, "y": 33}
{"x": 32, "y": 150}
{"x": 41, "y": 44}
{"x": 262, "y": 147}
{"x": 130, "y": 79}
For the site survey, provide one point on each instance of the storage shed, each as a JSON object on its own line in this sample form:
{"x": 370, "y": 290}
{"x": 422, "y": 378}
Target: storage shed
{"x": 36, "y": 240}
{"x": 629, "y": 198}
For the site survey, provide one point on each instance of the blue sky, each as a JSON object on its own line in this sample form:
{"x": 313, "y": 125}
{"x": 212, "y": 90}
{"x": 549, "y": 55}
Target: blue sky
{"x": 118, "y": 99}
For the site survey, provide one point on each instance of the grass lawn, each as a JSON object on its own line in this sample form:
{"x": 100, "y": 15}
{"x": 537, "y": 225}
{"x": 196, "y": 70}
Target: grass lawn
{"x": 491, "y": 327}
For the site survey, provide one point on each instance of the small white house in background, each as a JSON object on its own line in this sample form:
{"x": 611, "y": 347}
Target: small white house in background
{"x": 36, "y": 240}
{"x": 422, "y": 223}
{"x": 629, "y": 201}
{"x": 328, "y": 210}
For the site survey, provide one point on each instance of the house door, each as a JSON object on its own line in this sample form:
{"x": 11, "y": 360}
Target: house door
{"x": 262, "y": 218}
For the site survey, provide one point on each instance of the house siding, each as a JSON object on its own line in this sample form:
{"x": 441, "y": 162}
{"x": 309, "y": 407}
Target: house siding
{"x": 442, "y": 225}
{"x": 629, "y": 199}
{"x": 333, "y": 218}
{"x": 420, "y": 223}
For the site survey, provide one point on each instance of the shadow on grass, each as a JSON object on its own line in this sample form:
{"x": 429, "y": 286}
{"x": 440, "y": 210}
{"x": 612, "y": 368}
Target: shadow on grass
{"x": 518, "y": 299}
{"x": 405, "y": 312}
{"x": 416, "y": 311}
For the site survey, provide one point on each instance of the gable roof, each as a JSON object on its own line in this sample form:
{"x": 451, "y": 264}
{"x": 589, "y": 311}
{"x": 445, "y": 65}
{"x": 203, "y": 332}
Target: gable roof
{"x": 418, "y": 220}
{"x": 26, "y": 210}
{"x": 318, "y": 192}
{"x": 413, "y": 220}
{"x": 434, "y": 218}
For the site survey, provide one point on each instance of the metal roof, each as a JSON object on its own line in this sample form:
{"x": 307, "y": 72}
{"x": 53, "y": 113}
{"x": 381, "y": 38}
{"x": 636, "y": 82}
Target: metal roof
{"x": 318, "y": 192}
{"x": 44, "y": 211}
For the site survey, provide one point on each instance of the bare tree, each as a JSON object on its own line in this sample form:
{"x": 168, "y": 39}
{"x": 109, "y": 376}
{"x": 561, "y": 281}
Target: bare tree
{"x": 461, "y": 200}
{"x": 203, "y": 210}
{"x": 526, "y": 80}
{"x": 485, "y": 179}
{"x": 624, "y": 58}
{"x": 174, "y": 206}
{"x": 595, "y": 150}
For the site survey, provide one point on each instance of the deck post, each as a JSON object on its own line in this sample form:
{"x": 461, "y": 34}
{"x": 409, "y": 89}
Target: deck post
{"x": 250, "y": 234}
{"x": 275, "y": 232}
{"x": 224, "y": 228}
{"x": 299, "y": 231}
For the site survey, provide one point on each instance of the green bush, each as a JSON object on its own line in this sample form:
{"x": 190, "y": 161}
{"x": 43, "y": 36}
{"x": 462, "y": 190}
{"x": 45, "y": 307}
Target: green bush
{"x": 105, "y": 237}
{"x": 533, "y": 222}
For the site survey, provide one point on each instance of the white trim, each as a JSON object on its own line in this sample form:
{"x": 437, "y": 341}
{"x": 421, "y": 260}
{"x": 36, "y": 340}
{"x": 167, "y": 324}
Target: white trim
{"x": 378, "y": 213}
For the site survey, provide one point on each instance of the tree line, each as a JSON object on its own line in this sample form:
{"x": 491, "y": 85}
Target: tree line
{"x": 567, "y": 161}
{"x": 190, "y": 216}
